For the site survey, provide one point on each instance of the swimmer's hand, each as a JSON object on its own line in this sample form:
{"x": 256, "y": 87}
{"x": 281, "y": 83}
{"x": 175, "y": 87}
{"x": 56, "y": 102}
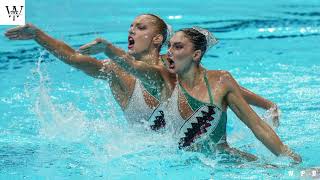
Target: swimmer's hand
{"x": 288, "y": 152}
{"x": 95, "y": 47}
{"x": 24, "y": 32}
{"x": 275, "y": 115}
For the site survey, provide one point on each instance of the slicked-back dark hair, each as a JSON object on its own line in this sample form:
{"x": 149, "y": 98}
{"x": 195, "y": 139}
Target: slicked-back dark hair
{"x": 198, "y": 40}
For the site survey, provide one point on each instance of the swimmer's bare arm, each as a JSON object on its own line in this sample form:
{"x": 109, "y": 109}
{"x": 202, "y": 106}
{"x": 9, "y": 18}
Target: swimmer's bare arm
{"x": 261, "y": 130}
{"x": 89, "y": 65}
{"x": 258, "y": 101}
{"x": 151, "y": 75}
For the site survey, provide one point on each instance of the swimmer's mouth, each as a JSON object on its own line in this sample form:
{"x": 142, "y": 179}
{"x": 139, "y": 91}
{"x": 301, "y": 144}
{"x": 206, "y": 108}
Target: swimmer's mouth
{"x": 171, "y": 63}
{"x": 130, "y": 42}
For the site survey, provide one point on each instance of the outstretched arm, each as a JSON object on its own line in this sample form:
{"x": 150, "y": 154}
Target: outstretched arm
{"x": 148, "y": 74}
{"x": 89, "y": 65}
{"x": 261, "y": 130}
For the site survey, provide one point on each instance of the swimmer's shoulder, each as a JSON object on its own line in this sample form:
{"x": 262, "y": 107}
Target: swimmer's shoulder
{"x": 220, "y": 77}
{"x": 218, "y": 74}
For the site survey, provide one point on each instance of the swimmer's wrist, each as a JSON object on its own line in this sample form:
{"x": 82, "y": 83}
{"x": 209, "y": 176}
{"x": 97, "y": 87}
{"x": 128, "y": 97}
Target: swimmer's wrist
{"x": 32, "y": 29}
{"x": 106, "y": 43}
{"x": 37, "y": 33}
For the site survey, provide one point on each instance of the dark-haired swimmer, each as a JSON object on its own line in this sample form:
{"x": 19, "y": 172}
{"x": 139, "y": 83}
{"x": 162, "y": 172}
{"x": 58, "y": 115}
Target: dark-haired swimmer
{"x": 99, "y": 45}
{"x": 146, "y": 36}
{"x": 199, "y": 97}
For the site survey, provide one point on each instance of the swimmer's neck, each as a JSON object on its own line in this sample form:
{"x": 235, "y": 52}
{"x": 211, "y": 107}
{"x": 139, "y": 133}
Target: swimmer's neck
{"x": 191, "y": 77}
{"x": 151, "y": 57}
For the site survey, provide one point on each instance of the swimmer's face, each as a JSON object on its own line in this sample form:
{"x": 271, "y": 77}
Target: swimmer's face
{"x": 181, "y": 54}
{"x": 141, "y": 35}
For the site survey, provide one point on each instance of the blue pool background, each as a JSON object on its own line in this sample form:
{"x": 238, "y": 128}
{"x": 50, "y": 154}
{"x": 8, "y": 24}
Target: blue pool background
{"x": 57, "y": 123}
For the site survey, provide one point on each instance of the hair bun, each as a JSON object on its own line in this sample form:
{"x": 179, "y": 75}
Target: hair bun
{"x": 211, "y": 40}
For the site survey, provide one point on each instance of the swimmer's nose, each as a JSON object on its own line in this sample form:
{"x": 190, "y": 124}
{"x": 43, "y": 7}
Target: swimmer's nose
{"x": 131, "y": 31}
{"x": 169, "y": 53}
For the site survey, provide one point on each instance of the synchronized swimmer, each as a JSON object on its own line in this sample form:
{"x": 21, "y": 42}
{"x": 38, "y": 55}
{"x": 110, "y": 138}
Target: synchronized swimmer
{"x": 171, "y": 90}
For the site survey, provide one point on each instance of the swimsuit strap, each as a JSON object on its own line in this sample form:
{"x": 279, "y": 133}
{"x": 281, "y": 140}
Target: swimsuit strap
{"x": 208, "y": 87}
{"x": 193, "y": 102}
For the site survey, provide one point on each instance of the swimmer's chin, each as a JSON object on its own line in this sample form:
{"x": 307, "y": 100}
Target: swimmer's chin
{"x": 131, "y": 52}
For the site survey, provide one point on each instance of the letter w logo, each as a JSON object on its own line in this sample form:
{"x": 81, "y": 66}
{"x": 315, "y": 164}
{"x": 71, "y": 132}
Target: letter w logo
{"x": 14, "y": 13}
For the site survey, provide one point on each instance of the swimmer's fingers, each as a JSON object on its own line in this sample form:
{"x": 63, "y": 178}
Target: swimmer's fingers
{"x": 87, "y": 47}
{"x": 84, "y": 50}
{"x": 294, "y": 156}
{"x": 91, "y": 48}
{"x": 20, "y": 33}
{"x": 87, "y": 52}
{"x": 297, "y": 159}
{"x": 15, "y": 29}
{"x": 19, "y": 37}
{"x": 11, "y": 33}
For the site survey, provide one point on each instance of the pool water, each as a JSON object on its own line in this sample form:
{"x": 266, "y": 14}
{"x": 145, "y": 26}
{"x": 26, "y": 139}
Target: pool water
{"x": 58, "y": 123}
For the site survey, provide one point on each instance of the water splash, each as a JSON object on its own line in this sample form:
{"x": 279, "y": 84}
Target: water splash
{"x": 64, "y": 121}
{"x": 105, "y": 135}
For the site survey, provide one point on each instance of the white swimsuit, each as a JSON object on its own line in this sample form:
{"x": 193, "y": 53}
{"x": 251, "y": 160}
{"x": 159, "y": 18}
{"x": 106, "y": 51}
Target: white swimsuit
{"x": 172, "y": 114}
{"x": 137, "y": 110}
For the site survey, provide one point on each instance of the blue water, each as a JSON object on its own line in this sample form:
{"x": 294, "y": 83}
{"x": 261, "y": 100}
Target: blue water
{"x": 58, "y": 123}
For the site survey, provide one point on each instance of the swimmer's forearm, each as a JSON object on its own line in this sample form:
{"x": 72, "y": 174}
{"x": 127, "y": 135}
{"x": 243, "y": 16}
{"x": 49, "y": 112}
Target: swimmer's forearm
{"x": 62, "y": 51}
{"x": 148, "y": 74}
{"x": 56, "y": 47}
{"x": 256, "y": 100}
{"x": 270, "y": 139}
{"x": 267, "y": 136}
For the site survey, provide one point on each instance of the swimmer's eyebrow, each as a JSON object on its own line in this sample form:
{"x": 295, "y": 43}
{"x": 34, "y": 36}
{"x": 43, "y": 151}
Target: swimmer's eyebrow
{"x": 177, "y": 43}
{"x": 137, "y": 24}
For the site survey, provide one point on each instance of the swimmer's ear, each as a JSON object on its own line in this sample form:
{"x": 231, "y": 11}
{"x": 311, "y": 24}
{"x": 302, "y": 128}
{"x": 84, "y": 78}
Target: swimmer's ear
{"x": 158, "y": 39}
{"x": 197, "y": 55}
